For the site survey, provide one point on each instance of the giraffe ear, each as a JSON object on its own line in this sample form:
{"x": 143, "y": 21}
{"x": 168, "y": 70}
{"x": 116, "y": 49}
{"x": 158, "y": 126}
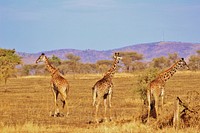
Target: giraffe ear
{"x": 117, "y": 54}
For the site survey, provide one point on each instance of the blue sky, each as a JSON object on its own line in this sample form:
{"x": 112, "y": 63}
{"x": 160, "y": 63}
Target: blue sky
{"x": 42, "y": 25}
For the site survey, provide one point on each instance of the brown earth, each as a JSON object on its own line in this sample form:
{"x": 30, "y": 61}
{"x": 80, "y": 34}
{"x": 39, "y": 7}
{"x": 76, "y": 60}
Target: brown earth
{"x": 30, "y": 100}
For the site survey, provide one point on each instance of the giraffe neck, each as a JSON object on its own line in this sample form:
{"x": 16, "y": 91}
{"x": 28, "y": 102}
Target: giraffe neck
{"x": 166, "y": 75}
{"x": 49, "y": 67}
{"x": 110, "y": 73}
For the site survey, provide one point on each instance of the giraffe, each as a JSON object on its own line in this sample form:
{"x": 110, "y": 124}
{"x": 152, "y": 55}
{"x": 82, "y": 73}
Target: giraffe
{"x": 156, "y": 87}
{"x": 59, "y": 85}
{"x": 102, "y": 90}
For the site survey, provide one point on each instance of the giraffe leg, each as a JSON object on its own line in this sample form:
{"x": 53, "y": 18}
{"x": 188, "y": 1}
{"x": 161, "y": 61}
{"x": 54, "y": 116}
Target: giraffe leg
{"x": 162, "y": 97}
{"x": 110, "y": 97}
{"x": 94, "y": 93}
{"x": 109, "y": 105}
{"x": 149, "y": 104}
{"x": 105, "y": 109}
{"x": 156, "y": 105}
{"x": 55, "y": 93}
{"x": 96, "y": 111}
{"x": 65, "y": 101}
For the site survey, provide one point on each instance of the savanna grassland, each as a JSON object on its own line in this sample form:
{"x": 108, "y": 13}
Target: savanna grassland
{"x": 26, "y": 104}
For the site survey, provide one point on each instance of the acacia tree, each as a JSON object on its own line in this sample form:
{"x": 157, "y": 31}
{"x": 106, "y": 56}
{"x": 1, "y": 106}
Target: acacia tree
{"x": 194, "y": 61}
{"x": 73, "y": 62}
{"x": 103, "y": 65}
{"x": 8, "y": 61}
{"x": 55, "y": 60}
{"x": 198, "y": 52}
{"x": 26, "y": 69}
{"x": 163, "y": 62}
{"x": 138, "y": 65}
{"x": 160, "y": 62}
{"x": 88, "y": 68}
{"x": 173, "y": 57}
{"x": 129, "y": 58}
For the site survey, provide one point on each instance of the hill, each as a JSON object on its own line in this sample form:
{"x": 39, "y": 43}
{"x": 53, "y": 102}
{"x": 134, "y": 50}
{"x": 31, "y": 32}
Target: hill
{"x": 149, "y": 50}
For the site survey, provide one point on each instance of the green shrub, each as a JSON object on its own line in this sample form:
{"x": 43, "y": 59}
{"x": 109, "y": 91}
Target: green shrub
{"x": 144, "y": 79}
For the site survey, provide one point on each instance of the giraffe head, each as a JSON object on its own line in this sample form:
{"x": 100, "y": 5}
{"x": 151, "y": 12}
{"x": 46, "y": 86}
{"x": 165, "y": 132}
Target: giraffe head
{"x": 182, "y": 63}
{"x": 117, "y": 57}
{"x": 41, "y": 58}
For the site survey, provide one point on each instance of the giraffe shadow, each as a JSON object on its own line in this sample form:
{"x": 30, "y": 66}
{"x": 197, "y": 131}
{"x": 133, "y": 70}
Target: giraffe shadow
{"x": 57, "y": 115}
{"x": 152, "y": 112}
{"x": 100, "y": 121}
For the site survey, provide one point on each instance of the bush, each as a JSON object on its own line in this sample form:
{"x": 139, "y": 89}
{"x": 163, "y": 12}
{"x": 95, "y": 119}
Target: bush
{"x": 144, "y": 79}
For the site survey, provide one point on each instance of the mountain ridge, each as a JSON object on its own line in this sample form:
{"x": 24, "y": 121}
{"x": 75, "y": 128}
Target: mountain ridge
{"x": 149, "y": 51}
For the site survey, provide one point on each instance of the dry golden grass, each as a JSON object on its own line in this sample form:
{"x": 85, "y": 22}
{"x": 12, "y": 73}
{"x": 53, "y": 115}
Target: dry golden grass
{"x": 26, "y": 104}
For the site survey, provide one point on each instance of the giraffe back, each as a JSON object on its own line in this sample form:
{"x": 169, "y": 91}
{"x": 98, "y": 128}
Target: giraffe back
{"x": 156, "y": 83}
{"x": 59, "y": 81}
{"x": 103, "y": 85}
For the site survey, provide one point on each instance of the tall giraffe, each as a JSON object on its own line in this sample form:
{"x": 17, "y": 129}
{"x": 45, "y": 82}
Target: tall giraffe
{"x": 102, "y": 90}
{"x": 156, "y": 87}
{"x": 59, "y": 85}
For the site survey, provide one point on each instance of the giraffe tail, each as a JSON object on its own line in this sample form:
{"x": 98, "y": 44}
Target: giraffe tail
{"x": 94, "y": 93}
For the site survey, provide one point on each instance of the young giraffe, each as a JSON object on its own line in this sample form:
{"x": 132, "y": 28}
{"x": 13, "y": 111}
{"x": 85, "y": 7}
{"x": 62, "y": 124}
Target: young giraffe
{"x": 157, "y": 86}
{"x": 102, "y": 90}
{"x": 58, "y": 84}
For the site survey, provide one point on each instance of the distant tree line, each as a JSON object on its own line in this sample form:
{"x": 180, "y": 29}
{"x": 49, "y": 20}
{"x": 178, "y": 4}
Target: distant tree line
{"x": 11, "y": 64}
